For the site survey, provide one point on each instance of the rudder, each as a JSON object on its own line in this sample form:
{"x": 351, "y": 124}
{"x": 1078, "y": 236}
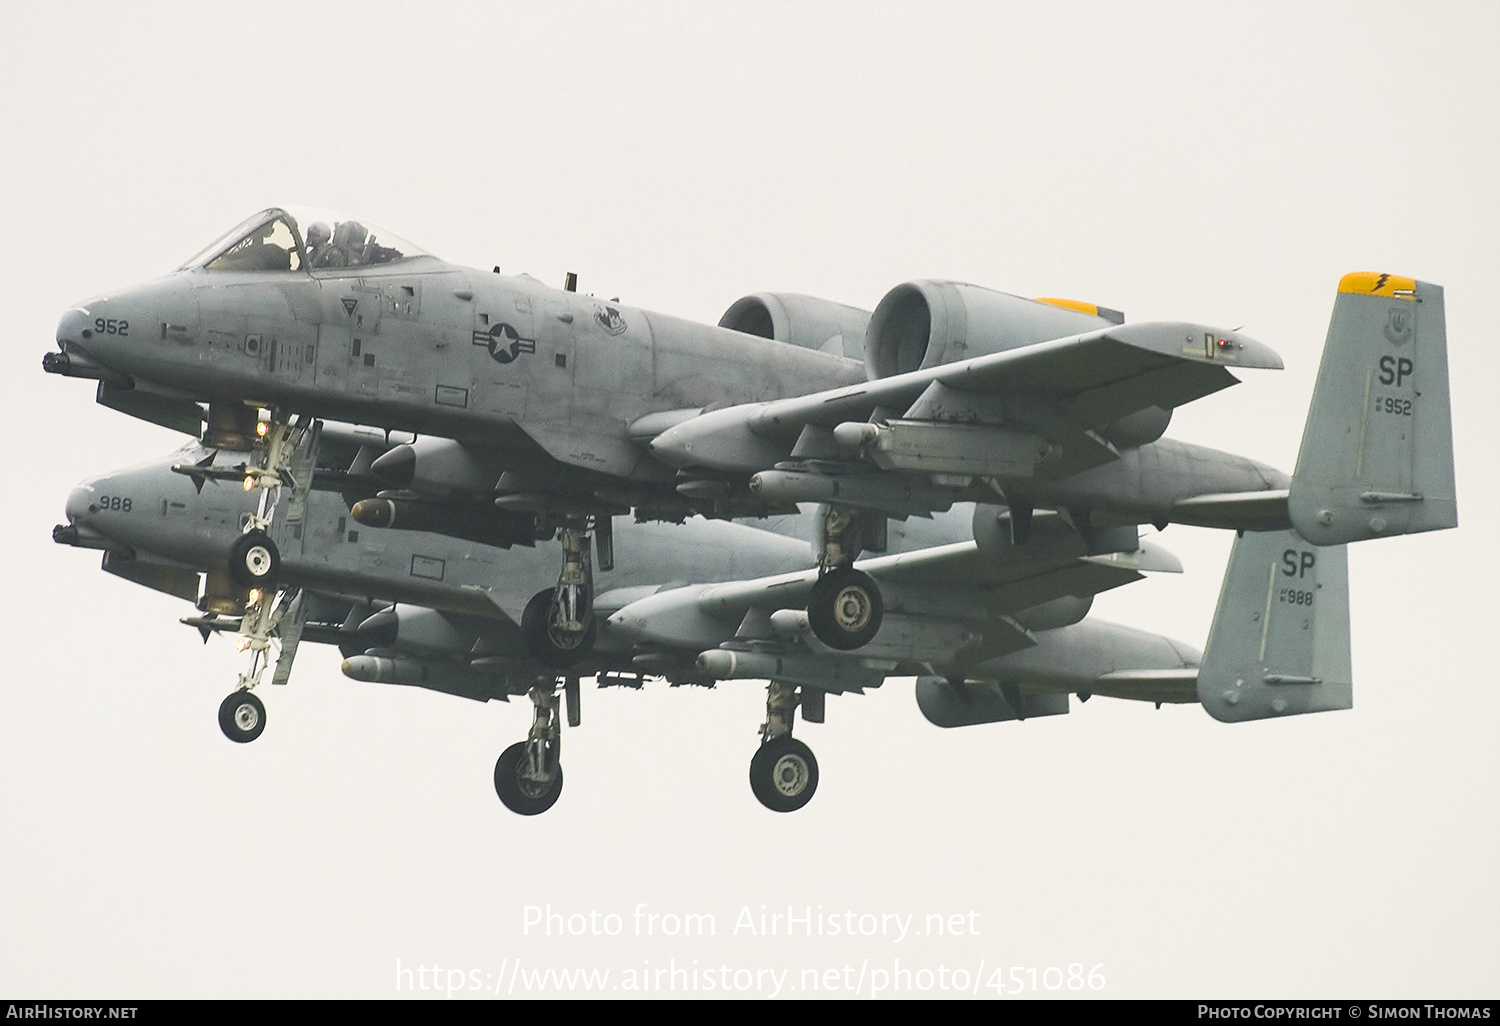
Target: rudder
{"x": 1279, "y": 645}
{"x": 1377, "y": 450}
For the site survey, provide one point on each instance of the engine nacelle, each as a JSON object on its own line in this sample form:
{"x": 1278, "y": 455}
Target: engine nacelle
{"x": 923, "y": 324}
{"x": 804, "y": 321}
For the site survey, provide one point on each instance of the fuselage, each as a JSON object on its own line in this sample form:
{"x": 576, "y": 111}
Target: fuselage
{"x": 151, "y": 514}
{"x": 152, "y": 521}
{"x": 421, "y": 345}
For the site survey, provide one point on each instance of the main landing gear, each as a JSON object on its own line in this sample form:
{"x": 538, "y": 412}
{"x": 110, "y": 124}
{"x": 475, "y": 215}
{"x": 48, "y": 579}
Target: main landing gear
{"x": 844, "y": 608}
{"x": 783, "y": 773}
{"x": 528, "y": 774}
{"x": 558, "y": 624}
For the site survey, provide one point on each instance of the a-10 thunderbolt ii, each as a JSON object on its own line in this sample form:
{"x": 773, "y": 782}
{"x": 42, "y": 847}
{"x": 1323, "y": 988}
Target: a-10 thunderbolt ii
{"x": 570, "y": 410}
{"x": 435, "y": 611}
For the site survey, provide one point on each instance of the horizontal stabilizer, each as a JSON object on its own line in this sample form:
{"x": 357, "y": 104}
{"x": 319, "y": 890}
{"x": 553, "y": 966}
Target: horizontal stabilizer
{"x": 1176, "y": 686}
{"x": 1377, "y": 451}
{"x": 1238, "y": 511}
{"x": 1279, "y": 644}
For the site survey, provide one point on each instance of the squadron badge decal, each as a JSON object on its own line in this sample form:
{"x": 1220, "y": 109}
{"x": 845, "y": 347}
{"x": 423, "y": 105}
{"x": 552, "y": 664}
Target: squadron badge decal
{"x": 609, "y": 319}
{"x": 1398, "y": 326}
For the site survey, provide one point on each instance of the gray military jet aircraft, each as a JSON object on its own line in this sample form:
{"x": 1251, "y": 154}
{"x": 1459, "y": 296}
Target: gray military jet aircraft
{"x": 458, "y": 606}
{"x": 571, "y": 409}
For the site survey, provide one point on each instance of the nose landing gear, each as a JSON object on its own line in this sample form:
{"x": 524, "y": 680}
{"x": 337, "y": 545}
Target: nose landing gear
{"x": 254, "y": 561}
{"x": 242, "y": 717}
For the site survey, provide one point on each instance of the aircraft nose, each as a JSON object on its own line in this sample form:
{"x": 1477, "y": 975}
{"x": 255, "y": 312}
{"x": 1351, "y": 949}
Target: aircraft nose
{"x": 80, "y": 499}
{"x": 75, "y": 326}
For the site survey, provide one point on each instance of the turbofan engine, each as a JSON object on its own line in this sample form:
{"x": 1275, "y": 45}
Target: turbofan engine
{"x": 804, "y": 321}
{"x": 923, "y": 324}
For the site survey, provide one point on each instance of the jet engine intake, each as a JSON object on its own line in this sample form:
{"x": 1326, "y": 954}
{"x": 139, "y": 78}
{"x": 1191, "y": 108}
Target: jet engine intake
{"x": 804, "y": 321}
{"x": 922, "y": 324}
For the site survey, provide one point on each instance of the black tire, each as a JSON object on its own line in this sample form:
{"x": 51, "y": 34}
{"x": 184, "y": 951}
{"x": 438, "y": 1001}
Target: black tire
{"x": 784, "y": 774}
{"x": 553, "y": 648}
{"x": 523, "y": 797}
{"x": 254, "y": 561}
{"x": 844, "y": 608}
{"x": 242, "y": 717}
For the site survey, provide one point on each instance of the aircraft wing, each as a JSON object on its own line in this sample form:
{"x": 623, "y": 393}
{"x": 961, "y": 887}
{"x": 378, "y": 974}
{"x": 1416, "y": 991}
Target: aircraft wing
{"x": 947, "y": 605}
{"x": 1061, "y": 388}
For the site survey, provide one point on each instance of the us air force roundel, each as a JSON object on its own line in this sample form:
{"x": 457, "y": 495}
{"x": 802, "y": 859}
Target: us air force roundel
{"x": 504, "y": 342}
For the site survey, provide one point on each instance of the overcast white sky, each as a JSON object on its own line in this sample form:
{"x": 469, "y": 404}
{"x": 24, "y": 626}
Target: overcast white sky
{"x": 1220, "y": 162}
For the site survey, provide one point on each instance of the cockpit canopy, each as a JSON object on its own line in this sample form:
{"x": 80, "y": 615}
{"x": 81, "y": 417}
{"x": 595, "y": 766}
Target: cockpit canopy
{"x": 302, "y": 238}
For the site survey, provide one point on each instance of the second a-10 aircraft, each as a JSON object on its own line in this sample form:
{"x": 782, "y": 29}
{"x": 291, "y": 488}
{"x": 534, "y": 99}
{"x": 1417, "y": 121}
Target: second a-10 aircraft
{"x": 443, "y": 613}
{"x": 438, "y": 612}
{"x": 543, "y": 413}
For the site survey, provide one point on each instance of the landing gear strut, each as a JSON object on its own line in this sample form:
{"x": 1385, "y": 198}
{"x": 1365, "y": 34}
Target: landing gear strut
{"x": 242, "y": 716}
{"x": 559, "y": 624}
{"x": 286, "y": 452}
{"x": 783, "y": 773}
{"x": 528, "y": 774}
{"x": 844, "y": 608}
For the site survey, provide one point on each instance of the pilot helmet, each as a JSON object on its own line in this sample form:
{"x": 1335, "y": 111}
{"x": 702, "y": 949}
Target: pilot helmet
{"x": 317, "y": 234}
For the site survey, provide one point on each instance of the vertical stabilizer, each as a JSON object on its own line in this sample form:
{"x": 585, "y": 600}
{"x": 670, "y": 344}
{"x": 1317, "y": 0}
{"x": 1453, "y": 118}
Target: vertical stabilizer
{"x": 1279, "y": 645}
{"x": 1377, "y": 451}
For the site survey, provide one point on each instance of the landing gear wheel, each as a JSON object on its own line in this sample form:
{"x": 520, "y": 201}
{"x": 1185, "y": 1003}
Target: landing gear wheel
{"x": 784, "y": 774}
{"x": 242, "y": 717}
{"x": 521, "y": 796}
{"x": 254, "y": 561}
{"x": 550, "y": 646}
{"x": 844, "y": 608}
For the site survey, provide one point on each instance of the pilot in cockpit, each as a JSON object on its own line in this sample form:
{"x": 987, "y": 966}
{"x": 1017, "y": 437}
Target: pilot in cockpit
{"x": 318, "y": 242}
{"x": 347, "y": 247}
